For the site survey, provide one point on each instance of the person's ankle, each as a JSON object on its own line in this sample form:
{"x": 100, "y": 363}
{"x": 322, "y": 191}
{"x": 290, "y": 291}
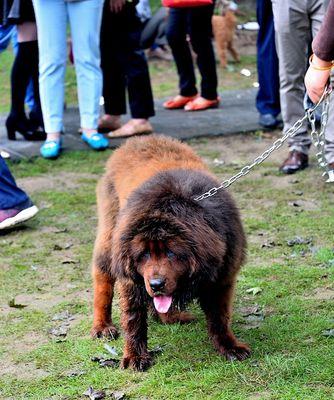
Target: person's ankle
{"x": 139, "y": 121}
{"x": 53, "y": 137}
{"x": 111, "y": 118}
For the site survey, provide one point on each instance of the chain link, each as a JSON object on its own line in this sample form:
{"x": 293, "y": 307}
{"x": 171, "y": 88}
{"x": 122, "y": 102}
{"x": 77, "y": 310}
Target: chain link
{"x": 317, "y": 138}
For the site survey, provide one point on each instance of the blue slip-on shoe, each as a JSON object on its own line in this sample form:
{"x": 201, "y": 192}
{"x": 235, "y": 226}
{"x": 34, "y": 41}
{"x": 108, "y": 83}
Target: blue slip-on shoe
{"x": 268, "y": 121}
{"x": 51, "y": 148}
{"x": 96, "y": 141}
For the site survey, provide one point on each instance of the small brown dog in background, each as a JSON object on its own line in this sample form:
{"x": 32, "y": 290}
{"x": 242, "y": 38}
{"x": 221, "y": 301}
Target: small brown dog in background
{"x": 223, "y": 27}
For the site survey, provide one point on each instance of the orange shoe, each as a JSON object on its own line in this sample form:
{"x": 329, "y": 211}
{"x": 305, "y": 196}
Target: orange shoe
{"x": 200, "y": 103}
{"x": 178, "y": 102}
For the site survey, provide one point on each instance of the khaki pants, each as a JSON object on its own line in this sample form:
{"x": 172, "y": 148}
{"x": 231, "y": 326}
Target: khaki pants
{"x": 296, "y": 23}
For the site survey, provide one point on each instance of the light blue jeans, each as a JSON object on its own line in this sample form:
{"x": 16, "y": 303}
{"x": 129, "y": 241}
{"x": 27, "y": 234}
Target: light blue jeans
{"x": 84, "y": 17}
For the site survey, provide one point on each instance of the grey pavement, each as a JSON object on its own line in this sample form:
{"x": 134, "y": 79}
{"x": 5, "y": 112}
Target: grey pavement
{"x": 237, "y": 114}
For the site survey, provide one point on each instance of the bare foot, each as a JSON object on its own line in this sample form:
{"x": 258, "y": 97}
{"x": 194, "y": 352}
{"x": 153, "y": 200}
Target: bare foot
{"x": 109, "y": 123}
{"x": 136, "y": 126}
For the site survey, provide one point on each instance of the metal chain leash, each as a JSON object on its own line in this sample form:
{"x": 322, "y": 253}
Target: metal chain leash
{"x": 318, "y": 139}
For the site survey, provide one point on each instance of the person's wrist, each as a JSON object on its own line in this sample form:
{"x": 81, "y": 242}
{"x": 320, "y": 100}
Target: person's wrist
{"x": 319, "y": 64}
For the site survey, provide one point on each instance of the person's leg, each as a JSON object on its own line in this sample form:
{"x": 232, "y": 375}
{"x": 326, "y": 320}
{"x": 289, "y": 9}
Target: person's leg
{"x": 112, "y": 43}
{"x": 6, "y": 33}
{"x": 134, "y": 65}
{"x": 51, "y": 18}
{"x": 15, "y": 205}
{"x": 24, "y": 69}
{"x": 10, "y": 194}
{"x": 317, "y": 13}
{"x": 201, "y": 40}
{"x": 154, "y": 31}
{"x": 86, "y": 50}
{"x": 27, "y": 33}
{"x": 177, "y": 39}
{"x": 267, "y": 99}
{"x": 292, "y": 21}
{"x": 136, "y": 69}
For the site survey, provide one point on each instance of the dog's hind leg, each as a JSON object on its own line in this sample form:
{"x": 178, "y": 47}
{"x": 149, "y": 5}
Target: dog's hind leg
{"x": 103, "y": 278}
{"x": 233, "y": 51}
{"x": 217, "y": 305}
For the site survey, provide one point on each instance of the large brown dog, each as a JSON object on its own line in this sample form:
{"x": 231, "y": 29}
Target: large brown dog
{"x": 164, "y": 247}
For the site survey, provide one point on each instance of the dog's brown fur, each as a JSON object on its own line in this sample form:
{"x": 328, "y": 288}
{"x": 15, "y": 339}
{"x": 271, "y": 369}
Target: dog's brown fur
{"x": 223, "y": 27}
{"x": 150, "y": 225}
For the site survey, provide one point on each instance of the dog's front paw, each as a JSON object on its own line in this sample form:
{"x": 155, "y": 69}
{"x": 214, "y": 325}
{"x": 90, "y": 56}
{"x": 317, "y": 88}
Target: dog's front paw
{"x": 237, "y": 352}
{"x": 104, "y": 331}
{"x": 139, "y": 363}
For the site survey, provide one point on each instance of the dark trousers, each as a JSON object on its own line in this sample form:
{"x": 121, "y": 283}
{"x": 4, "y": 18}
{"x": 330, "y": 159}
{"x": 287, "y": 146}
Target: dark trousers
{"x": 124, "y": 64}
{"x": 10, "y": 195}
{"x": 197, "y": 23}
{"x": 154, "y": 30}
{"x": 268, "y": 97}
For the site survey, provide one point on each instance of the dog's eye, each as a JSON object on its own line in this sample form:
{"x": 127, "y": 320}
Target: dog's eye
{"x": 170, "y": 254}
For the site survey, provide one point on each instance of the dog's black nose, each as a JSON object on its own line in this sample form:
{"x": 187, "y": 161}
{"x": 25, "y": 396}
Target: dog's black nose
{"x": 157, "y": 284}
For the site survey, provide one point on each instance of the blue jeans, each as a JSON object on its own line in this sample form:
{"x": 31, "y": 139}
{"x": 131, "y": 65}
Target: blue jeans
{"x": 85, "y": 22}
{"x": 6, "y": 33}
{"x": 10, "y": 194}
{"x": 268, "y": 97}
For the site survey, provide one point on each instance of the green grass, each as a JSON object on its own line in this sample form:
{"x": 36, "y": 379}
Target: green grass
{"x": 291, "y": 360}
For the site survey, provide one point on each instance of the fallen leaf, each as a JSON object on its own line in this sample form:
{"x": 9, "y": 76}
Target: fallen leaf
{"x": 73, "y": 374}
{"x": 12, "y": 304}
{"x": 299, "y": 240}
{"x": 156, "y": 350}
{"x": 69, "y": 261}
{"x": 294, "y": 204}
{"x": 106, "y": 362}
{"x": 270, "y": 244}
{"x": 94, "y": 394}
{"x": 250, "y": 310}
{"x": 218, "y": 162}
{"x": 328, "y": 332}
{"x": 118, "y": 395}
{"x": 110, "y": 349}
{"x": 57, "y": 247}
{"x": 63, "y": 316}
{"x": 254, "y": 291}
{"x": 110, "y": 362}
{"x": 59, "y": 330}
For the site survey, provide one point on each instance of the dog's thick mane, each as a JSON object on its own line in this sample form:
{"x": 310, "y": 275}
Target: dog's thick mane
{"x": 164, "y": 208}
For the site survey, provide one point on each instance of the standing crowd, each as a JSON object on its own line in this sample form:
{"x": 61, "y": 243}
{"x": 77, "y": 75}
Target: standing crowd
{"x": 107, "y": 45}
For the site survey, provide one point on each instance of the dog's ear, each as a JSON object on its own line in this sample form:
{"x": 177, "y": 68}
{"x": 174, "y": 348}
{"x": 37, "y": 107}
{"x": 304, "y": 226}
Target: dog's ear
{"x": 122, "y": 263}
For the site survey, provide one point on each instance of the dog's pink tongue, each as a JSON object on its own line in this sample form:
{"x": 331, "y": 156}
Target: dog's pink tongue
{"x": 162, "y": 303}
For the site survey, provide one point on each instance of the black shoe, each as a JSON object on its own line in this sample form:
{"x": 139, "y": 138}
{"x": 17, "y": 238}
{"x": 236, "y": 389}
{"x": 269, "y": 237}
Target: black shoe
{"x": 295, "y": 162}
{"x": 268, "y": 121}
{"x": 23, "y": 126}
